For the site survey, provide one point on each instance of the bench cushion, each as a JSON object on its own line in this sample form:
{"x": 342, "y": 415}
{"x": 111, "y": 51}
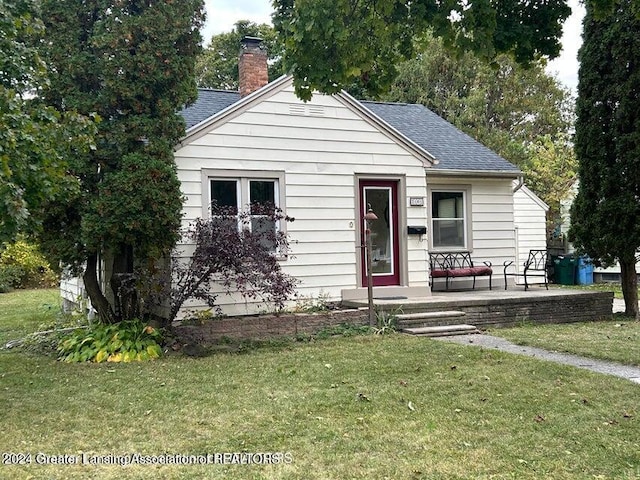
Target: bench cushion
{"x": 439, "y": 273}
{"x": 483, "y": 270}
{"x": 470, "y": 271}
{"x": 462, "y": 272}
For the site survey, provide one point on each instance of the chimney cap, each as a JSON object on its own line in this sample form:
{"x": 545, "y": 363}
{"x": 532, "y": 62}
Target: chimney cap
{"x": 251, "y": 42}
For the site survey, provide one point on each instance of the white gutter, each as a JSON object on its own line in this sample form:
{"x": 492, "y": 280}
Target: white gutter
{"x": 437, "y": 172}
{"x": 520, "y": 183}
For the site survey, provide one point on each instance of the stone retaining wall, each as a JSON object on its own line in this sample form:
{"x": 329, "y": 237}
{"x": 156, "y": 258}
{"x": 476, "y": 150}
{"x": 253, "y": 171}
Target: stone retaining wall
{"x": 509, "y": 312}
{"x": 267, "y": 326}
{"x": 483, "y": 313}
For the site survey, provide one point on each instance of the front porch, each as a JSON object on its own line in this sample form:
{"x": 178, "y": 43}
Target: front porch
{"x": 495, "y": 308}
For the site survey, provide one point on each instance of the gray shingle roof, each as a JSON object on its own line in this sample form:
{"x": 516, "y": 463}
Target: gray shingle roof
{"x": 209, "y": 102}
{"x": 454, "y": 149}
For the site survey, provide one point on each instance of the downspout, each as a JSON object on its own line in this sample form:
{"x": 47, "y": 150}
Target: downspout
{"x": 520, "y": 183}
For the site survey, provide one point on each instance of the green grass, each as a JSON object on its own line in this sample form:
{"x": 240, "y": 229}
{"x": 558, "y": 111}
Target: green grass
{"x": 370, "y": 407}
{"x": 616, "y": 288}
{"x": 23, "y": 311}
{"x": 617, "y": 340}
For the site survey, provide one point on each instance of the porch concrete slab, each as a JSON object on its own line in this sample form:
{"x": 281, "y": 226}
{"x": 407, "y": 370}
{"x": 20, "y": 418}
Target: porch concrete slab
{"x": 469, "y": 296}
{"x": 600, "y": 366}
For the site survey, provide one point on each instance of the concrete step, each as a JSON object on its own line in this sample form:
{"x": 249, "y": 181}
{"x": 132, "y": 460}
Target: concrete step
{"x": 442, "y": 331}
{"x": 430, "y": 315}
{"x": 428, "y": 319}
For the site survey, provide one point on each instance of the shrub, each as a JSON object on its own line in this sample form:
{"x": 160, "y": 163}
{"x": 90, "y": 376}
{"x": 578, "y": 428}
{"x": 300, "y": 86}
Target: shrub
{"x": 22, "y": 265}
{"x": 9, "y": 277}
{"x": 239, "y": 251}
{"x": 127, "y": 341}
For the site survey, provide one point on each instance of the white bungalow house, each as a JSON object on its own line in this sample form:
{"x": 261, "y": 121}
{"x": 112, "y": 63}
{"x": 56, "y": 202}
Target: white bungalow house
{"x": 326, "y": 161}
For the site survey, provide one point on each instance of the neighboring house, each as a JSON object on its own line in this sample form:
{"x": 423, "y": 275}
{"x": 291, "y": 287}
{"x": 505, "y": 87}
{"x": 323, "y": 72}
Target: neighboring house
{"x": 326, "y": 161}
{"x": 600, "y": 274}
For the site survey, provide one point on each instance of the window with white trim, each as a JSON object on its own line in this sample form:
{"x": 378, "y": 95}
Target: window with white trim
{"x": 249, "y": 194}
{"x": 449, "y": 219}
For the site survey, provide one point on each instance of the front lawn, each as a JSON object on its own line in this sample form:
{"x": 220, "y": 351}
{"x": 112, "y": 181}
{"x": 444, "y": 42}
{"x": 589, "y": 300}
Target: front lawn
{"x": 617, "y": 340}
{"x": 23, "y": 311}
{"x": 370, "y": 407}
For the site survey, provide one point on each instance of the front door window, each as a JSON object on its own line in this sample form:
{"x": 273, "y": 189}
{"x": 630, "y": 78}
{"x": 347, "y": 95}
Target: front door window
{"x": 381, "y": 197}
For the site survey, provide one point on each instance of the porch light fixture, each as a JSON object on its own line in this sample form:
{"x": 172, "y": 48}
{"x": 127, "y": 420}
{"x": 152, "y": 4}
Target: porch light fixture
{"x": 368, "y": 218}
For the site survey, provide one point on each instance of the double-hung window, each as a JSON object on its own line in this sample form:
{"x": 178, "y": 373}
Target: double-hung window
{"x": 255, "y": 193}
{"x": 449, "y": 219}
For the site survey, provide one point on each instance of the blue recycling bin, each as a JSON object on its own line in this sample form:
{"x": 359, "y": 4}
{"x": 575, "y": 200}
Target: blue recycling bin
{"x": 585, "y": 271}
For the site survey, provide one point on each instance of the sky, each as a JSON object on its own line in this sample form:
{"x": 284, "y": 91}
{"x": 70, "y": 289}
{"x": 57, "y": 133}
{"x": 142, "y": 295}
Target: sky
{"x": 222, "y": 14}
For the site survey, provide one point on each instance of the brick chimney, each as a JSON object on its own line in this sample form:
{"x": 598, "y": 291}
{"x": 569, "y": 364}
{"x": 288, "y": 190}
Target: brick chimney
{"x": 252, "y": 66}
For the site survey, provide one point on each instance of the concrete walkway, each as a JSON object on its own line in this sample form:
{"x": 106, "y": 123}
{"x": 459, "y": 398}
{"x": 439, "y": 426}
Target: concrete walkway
{"x": 600, "y": 366}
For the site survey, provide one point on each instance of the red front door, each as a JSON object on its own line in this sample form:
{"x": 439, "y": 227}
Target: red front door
{"x": 381, "y": 197}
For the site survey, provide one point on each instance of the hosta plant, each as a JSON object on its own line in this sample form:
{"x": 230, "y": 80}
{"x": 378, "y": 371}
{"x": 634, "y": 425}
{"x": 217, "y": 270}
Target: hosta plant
{"x": 127, "y": 341}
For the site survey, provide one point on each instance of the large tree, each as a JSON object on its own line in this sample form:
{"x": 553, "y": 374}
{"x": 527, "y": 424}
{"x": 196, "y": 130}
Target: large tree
{"x": 521, "y": 113}
{"x": 132, "y": 63}
{"x": 330, "y": 44}
{"x": 217, "y": 65}
{"x": 35, "y": 139}
{"x": 605, "y": 217}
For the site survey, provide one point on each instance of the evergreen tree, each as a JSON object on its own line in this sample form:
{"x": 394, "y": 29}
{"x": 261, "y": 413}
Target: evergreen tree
{"x": 131, "y": 63}
{"x": 605, "y": 217}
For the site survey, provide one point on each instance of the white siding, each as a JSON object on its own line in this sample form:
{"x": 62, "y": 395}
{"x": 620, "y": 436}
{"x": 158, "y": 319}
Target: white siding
{"x": 530, "y": 223}
{"x": 322, "y": 148}
{"x": 71, "y": 288}
{"x": 74, "y": 296}
{"x": 492, "y": 220}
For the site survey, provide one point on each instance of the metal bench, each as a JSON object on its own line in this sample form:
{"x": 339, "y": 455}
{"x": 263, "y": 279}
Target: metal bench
{"x": 450, "y": 265}
{"x": 534, "y": 266}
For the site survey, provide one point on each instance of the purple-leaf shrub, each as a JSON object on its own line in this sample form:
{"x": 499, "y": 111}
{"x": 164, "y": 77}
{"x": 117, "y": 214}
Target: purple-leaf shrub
{"x": 240, "y": 251}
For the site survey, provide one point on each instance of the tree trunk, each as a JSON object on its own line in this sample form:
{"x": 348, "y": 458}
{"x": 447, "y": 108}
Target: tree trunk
{"x": 123, "y": 284}
{"x": 98, "y": 300}
{"x": 629, "y": 287}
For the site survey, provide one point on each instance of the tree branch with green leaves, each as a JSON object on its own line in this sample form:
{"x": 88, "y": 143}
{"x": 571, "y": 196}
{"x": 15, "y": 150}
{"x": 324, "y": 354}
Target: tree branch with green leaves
{"x": 330, "y": 44}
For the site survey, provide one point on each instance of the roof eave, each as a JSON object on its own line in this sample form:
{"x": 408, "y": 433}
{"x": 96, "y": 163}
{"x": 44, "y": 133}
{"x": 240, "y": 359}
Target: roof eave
{"x": 441, "y": 172}
{"x": 427, "y": 159}
{"x": 232, "y": 110}
{"x": 532, "y": 195}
